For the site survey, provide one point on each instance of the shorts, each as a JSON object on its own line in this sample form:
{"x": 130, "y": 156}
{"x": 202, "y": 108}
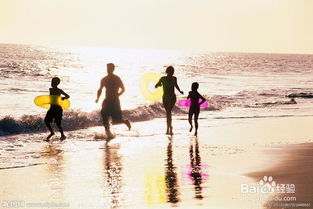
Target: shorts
{"x": 194, "y": 110}
{"x": 55, "y": 112}
{"x": 111, "y": 108}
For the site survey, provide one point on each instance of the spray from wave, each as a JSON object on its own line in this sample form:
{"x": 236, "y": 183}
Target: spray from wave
{"x": 73, "y": 120}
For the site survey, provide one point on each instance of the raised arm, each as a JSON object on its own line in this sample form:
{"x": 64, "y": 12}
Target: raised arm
{"x": 202, "y": 99}
{"x": 177, "y": 87}
{"x": 99, "y": 91}
{"x": 66, "y": 96}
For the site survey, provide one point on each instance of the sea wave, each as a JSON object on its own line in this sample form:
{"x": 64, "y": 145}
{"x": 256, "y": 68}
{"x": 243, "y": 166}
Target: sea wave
{"x": 74, "y": 119}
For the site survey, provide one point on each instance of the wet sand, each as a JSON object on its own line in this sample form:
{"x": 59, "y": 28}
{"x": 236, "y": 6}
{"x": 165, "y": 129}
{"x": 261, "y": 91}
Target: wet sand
{"x": 140, "y": 170}
{"x": 296, "y": 168}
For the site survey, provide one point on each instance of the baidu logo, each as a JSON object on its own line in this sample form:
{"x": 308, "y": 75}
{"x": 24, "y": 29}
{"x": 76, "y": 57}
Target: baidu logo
{"x": 267, "y": 185}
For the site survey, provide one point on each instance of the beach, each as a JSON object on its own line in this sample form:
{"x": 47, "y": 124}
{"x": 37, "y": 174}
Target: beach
{"x": 138, "y": 170}
{"x": 295, "y": 167}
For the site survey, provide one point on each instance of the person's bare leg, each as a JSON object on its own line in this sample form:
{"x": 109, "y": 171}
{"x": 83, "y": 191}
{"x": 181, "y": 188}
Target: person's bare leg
{"x": 190, "y": 120}
{"x": 106, "y": 125}
{"x": 50, "y": 129}
{"x": 105, "y": 121}
{"x": 127, "y": 123}
{"x": 169, "y": 129}
{"x": 63, "y": 137}
{"x": 196, "y": 122}
{"x": 168, "y": 108}
{"x": 169, "y": 117}
{"x": 108, "y": 131}
{"x": 168, "y": 114}
{"x": 170, "y": 124}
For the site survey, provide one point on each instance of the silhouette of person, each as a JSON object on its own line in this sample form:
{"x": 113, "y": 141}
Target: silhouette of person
{"x": 55, "y": 112}
{"x": 194, "y": 109}
{"x": 111, "y": 104}
{"x": 169, "y": 83}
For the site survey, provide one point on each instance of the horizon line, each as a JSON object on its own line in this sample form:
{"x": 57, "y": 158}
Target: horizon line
{"x": 159, "y": 49}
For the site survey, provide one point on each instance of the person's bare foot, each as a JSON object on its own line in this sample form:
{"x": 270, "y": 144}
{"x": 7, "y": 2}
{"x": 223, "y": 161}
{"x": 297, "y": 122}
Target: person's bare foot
{"x": 190, "y": 128}
{"x": 128, "y": 124}
{"x": 62, "y": 138}
{"x": 48, "y": 137}
{"x": 109, "y": 134}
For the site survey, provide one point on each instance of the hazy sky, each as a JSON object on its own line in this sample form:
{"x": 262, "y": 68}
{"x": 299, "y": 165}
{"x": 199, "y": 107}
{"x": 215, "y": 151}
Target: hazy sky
{"x": 213, "y": 25}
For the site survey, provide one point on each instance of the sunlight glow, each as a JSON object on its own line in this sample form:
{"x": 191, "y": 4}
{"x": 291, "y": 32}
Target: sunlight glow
{"x": 211, "y": 25}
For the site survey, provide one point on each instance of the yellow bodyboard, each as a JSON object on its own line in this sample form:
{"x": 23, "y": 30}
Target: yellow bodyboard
{"x": 45, "y": 101}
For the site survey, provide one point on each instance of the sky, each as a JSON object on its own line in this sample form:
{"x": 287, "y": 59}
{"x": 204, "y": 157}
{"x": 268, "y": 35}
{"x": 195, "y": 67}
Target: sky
{"x": 273, "y": 26}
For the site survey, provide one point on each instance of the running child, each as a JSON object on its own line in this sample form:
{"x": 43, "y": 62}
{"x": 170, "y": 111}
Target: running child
{"x": 55, "y": 112}
{"x": 194, "y": 109}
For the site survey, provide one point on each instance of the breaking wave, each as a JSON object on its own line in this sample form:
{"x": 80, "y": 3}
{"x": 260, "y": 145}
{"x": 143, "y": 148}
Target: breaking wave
{"x": 73, "y": 120}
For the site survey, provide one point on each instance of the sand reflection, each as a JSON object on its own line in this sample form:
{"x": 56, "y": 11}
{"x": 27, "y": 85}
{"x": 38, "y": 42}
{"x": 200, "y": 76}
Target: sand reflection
{"x": 171, "y": 175}
{"x": 113, "y": 177}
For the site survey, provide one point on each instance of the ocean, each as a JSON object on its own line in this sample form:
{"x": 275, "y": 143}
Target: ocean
{"x": 237, "y": 85}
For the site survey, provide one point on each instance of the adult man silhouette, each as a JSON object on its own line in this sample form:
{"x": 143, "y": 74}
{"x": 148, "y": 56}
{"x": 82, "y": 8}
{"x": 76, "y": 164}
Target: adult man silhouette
{"x": 111, "y": 104}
